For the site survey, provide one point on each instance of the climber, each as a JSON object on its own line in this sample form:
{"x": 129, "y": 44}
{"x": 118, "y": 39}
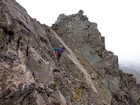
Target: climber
{"x": 59, "y": 52}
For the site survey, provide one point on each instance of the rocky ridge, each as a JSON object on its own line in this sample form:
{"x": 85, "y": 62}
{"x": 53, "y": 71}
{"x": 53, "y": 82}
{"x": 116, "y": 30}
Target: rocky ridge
{"x": 29, "y": 72}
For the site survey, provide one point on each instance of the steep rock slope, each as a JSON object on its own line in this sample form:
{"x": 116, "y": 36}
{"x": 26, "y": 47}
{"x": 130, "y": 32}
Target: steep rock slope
{"x": 29, "y": 72}
{"x": 88, "y": 45}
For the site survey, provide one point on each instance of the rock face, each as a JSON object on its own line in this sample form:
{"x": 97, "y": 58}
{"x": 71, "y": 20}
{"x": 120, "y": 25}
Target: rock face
{"x": 113, "y": 86}
{"x": 88, "y": 74}
{"x": 17, "y": 83}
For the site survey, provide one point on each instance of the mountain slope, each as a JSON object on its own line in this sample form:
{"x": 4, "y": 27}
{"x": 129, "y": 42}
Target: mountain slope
{"x": 29, "y": 73}
{"x": 132, "y": 70}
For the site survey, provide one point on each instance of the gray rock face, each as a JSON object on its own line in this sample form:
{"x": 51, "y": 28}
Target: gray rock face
{"x": 87, "y": 40}
{"x": 17, "y": 83}
{"x": 88, "y": 74}
{"x": 89, "y": 46}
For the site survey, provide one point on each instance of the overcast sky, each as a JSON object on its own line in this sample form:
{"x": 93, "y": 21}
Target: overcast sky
{"x": 118, "y": 20}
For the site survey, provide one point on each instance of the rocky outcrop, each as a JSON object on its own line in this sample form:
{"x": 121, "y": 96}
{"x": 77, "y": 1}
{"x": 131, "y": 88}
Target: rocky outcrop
{"x": 17, "y": 83}
{"x": 133, "y": 70}
{"x": 83, "y": 37}
{"x": 87, "y": 41}
{"x": 88, "y": 74}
